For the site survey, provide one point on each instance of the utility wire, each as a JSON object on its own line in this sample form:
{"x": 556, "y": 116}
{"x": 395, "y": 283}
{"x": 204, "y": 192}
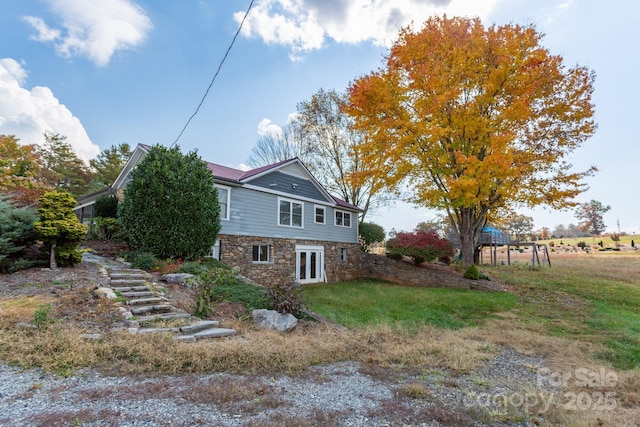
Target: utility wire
{"x": 216, "y": 74}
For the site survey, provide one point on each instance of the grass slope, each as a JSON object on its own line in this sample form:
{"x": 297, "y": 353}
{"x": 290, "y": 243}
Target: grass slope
{"x": 362, "y": 303}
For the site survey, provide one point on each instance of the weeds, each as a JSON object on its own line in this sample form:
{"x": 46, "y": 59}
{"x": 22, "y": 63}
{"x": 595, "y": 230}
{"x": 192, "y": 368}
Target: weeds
{"x": 42, "y": 316}
{"x": 285, "y": 298}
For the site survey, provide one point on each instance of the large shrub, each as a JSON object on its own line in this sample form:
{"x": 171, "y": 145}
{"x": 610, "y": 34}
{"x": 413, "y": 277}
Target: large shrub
{"x": 16, "y": 232}
{"x": 420, "y": 246}
{"x": 170, "y": 207}
{"x": 107, "y": 206}
{"x": 60, "y": 228}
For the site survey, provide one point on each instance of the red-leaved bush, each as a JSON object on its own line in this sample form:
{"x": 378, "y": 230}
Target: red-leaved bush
{"x": 420, "y": 246}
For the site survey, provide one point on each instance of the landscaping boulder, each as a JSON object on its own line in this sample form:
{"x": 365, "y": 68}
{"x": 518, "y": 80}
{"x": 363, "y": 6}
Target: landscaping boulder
{"x": 184, "y": 279}
{"x": 275, "y": 321}
{"x": 105, "y": 293}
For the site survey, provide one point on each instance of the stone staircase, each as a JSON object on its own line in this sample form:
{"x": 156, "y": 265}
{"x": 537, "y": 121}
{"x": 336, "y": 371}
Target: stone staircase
{"x": 147, "y": 310}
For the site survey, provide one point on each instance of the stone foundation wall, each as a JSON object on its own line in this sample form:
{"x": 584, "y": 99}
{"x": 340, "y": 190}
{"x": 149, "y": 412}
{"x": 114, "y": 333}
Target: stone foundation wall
{"x": 396, "y": 271}
{"x": 237, "y": 252}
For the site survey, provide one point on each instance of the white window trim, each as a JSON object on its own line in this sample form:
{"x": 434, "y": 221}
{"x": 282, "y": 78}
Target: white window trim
{"x": 324, "y": 216}
{"x": 342, "y": 254}
{"x": 228, "y": 212}
{"x": 335, "y": 220}
{"x": 283, "y": 199}
{"x": 268, "y": 261}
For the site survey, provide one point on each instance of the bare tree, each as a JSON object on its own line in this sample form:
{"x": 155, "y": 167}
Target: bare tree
{"x": 328, "y": 133}
{"x": 322, "y": 137}
{"x": 276, "y": 146}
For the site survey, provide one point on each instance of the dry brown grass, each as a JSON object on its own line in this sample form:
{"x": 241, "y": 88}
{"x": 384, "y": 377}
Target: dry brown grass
{"x": 21, "y": 309}
{"x": 74, "y": 418}
{"x": 567, "y": 357}
{"x": 315, "y": 418}
{"x": 414, "y": 390}
{"x": 60, "y": 348}
{"x": 400, "y": 413}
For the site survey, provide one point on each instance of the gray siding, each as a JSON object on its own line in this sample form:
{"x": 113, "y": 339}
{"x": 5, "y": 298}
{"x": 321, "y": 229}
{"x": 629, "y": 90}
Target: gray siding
{"x": 254, "y": 213}
{"x": 282, "y": 182}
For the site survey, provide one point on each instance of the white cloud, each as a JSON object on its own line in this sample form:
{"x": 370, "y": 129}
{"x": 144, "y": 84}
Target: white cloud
{"x": 95, "y": 30}
{"x": 267, "y": 127}
{"x": 27, "y": 114}
{"x": 305, "y": 25}
{"x": 44, "y": 33}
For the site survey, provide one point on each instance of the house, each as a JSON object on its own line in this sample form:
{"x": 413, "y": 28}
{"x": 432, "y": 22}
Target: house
{"x": 278, "y": 223}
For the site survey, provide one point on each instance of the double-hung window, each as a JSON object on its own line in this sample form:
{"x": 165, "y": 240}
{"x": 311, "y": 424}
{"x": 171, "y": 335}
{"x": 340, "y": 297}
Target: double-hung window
{"x": 290, "y": 213}
{"x": 343, "y": 219}
{"x": 319, "y": 214}
{"x": 224, "y": 194}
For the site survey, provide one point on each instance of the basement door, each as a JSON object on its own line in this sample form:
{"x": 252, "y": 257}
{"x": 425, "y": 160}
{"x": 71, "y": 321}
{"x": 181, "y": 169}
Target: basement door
{"x": 309, "y": 264}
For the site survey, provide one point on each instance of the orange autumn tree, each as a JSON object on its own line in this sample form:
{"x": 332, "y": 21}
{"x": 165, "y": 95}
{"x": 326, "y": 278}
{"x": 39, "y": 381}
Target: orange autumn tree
{"x": 474, "y": 120}
{"x": 20, "y": 170}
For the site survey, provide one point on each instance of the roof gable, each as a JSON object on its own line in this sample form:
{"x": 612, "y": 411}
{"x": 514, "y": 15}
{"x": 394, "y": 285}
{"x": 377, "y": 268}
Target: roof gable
{"x": 290, "y": 172}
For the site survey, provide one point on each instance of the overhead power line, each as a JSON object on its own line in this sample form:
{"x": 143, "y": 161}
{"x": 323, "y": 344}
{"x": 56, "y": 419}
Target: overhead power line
{"x": 216, "y": 73}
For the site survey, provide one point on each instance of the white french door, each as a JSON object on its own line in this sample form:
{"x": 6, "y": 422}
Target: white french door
{"x": 309, "y": 264}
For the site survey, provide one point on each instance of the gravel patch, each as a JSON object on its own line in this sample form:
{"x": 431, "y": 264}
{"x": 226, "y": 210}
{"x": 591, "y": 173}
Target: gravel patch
{"x": 338, "y": 394}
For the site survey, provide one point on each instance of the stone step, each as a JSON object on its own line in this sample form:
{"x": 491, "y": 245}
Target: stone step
{"x": 146, "y": 301}
{"x": 156, "y": 330}
{"x": 130, "y": 276}
{"x": 199, "y": 326}
{"x": 214, "y": 333}
{"x": 115, "y": 270}
{"x": 127, "y": 282}
{"x": 131, "y": 288}
{"x": 168, "y": 316}
{"x": 138, "y": 294}
{"x": 159, "y": 308}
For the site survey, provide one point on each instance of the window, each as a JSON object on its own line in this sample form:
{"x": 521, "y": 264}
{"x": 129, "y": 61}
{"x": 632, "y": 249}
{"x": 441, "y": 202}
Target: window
{"x": 289, "y": 213}
{"x": 342, "y": 254}
{"x": 224, "y": 194}
{"x": 215, "y": 251}
{"x": 343, "y": 219}
{"x": 262, "y": 253}
{"x": 319, "y": 215}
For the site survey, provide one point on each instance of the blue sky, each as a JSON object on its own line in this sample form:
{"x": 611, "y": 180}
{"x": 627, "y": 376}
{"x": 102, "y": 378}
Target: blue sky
{"x": 133, "y": 71}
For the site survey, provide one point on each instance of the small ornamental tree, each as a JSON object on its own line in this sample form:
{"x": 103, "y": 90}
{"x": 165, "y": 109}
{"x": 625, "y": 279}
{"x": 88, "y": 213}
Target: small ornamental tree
{"x": 170, "y": 208}
{"x": 420, "y": 246}
{"x": 60, "y": 228}
{"x": 370, "y": 233}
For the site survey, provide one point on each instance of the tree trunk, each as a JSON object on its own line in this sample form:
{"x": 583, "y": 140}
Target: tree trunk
{"x": 52, "y": 257}
{"x": 469, "y": 225}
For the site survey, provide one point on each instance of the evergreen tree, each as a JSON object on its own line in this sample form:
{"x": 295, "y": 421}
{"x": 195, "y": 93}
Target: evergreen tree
{"x": 62, "y": 168}
{"x": 170, "y": 207}
{"x": 109, "y": 163}
{"x": 16, "y": 230}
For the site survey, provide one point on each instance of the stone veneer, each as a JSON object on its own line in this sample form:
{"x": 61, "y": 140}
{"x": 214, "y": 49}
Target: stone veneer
{"x": 396, "y": 271}
{"x": 237, "y": 252}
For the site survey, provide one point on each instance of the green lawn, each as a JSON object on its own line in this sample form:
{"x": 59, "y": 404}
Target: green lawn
{"x": 361, "y": 303}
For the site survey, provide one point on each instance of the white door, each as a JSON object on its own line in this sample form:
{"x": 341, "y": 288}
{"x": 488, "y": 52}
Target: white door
{"x": 309, "y": 264}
